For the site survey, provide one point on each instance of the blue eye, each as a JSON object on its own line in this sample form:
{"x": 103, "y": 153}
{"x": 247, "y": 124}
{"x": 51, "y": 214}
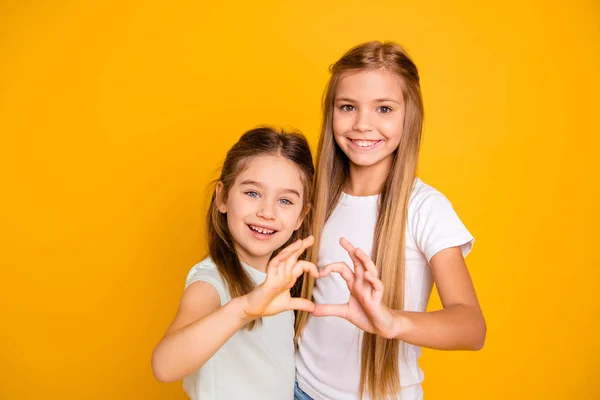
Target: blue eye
{"x": 347, "y": 107}
{"x": 252, "y": 194}
{"x": 384, "y": 109}
{"x": 285, "y": 202}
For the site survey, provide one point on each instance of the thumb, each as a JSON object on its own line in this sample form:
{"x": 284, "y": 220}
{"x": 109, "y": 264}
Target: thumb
{"x": 301, "y": 304}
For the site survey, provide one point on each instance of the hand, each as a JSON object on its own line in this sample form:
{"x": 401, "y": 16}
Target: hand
{"x": 365, "y": 308}
{"x": 273, "y": 295}
{"x": 352, "y": 310}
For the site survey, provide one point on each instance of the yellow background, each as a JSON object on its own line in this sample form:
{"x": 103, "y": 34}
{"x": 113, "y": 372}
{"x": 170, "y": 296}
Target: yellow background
{"x": 114, "y": 116}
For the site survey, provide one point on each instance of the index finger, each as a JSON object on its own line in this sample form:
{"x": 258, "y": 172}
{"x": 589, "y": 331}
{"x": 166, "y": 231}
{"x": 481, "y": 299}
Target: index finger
{"x": 293, "y": 257}
{"x": 283, "y": 254}
{"x": 341, "y": 268}
{"x": 305, "y": 266}
{"x": 367, "y": 262}
{"x": 359, "y": 269}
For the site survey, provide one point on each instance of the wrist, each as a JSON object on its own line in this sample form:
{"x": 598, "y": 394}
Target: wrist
{"x": 401, "y": 325}
{"x": 238, "y": 307}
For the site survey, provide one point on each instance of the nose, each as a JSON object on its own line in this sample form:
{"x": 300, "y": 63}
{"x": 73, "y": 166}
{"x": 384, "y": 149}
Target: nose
{"x": 266, "y": 209}
{"x": 363, "y": 122}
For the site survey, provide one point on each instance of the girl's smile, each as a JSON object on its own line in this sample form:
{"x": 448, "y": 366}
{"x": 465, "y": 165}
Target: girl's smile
{"x": 261, "y": 232}
{"x": 365, "y": 144}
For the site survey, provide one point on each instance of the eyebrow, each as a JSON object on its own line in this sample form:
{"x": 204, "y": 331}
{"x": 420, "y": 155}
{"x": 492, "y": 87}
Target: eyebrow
{"x": 260, "y": 185}
{"x": 383, "y": 100}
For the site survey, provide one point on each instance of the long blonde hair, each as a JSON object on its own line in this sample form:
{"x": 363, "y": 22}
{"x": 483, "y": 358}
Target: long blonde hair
{"x": 380, "y": 370}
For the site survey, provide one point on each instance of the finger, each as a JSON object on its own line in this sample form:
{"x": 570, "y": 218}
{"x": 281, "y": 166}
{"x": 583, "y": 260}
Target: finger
{"x": 285, "y": 265}
{"x": 288, "y": 264}
{"x": 285, "y": 253}
{"x": 376, "y": 292}
{"x": 305, "y": 266}
{"x": 350, "y": 249}
{"x": 282, "y": 256}
{"x": 374, "y": 281}
{"x": 367, "y": 262}
{"x": 377, "y": 295}
{"x": 341, "y": 268}
{"x": 330, "y": 310}
{"x": 301, "y": 304}
{"x": 346, "y": 245}
{"x": 358, "y": 267}
{"x": 306, "y": 243}
{"x": 309, "y": 240}
{"x": 293, "y": 257}
{"x": 291, "y": 247}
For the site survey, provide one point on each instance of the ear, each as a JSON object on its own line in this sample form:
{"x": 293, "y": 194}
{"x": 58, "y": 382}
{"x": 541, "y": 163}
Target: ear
{"x": 302, "y": 216}
{"x": 221, "y": 205}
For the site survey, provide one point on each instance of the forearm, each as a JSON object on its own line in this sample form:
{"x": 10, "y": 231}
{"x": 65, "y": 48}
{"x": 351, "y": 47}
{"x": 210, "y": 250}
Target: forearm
{"x": 185, "y": 350}
{"x": 457, "y": 327}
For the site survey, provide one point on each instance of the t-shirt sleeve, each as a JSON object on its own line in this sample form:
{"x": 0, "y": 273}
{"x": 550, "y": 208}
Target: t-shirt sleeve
{"x": 208, "y": 274}
{"x": 436, "y": 226}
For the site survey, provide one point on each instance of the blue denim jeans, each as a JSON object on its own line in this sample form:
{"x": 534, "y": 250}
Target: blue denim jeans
{"x": 299, "y": 394}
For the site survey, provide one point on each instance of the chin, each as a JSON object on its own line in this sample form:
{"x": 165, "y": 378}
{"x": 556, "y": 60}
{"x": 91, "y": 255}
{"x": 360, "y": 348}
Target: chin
{"x": 265, "y": 249}
{"x": 364, "y": 163}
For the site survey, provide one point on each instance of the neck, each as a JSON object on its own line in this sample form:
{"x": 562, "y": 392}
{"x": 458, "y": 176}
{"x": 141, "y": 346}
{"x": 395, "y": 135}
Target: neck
{"x": 367, "y": 180}
{"x": 257, "y": 262}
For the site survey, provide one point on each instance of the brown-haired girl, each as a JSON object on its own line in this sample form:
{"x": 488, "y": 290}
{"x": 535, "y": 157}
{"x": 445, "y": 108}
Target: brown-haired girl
{"x": 216, "y": 342}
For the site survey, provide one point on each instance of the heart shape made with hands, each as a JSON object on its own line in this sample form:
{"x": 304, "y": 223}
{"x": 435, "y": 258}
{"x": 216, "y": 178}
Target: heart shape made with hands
{"x": 364, "y": 308}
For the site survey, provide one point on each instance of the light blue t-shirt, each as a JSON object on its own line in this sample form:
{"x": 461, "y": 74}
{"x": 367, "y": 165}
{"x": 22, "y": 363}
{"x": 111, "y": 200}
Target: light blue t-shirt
{"x": 252, "y": 365}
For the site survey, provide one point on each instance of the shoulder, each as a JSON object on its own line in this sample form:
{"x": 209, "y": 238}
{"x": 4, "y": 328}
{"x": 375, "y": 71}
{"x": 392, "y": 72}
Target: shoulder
{"x": 425, "y": 197}
{"x": 205, "y": 265}
{"x": 207, "y": 271}
{"x": 433, "y": 222}
{"x": 203, "y": 294}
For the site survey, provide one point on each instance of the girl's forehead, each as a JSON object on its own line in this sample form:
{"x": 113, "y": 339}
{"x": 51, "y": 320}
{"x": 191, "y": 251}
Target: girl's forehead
{"x": 375, "y": 81}
{"x": 271, "y": 171}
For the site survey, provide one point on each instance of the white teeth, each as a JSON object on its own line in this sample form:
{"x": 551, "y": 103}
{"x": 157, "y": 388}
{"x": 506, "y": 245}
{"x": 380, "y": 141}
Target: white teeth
{"x": 264, "y": 231}
{"x": 364, "y": 143}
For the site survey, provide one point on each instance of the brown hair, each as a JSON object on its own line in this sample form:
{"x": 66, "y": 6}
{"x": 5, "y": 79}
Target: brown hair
{"x": 257, "y": 142}
{"x": 380, "y": 372}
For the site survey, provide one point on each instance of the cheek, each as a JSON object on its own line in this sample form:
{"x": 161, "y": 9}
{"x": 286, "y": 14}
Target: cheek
{"x": 291, "y": 218}
{"x": 394, "y": 128}
{"x": 341, "y": 122}
{"x": 236, "y": 209}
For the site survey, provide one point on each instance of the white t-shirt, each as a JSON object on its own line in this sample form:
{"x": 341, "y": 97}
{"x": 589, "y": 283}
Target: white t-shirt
{"x": 329, "y": 354}
{"x": 253, "y": 365}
